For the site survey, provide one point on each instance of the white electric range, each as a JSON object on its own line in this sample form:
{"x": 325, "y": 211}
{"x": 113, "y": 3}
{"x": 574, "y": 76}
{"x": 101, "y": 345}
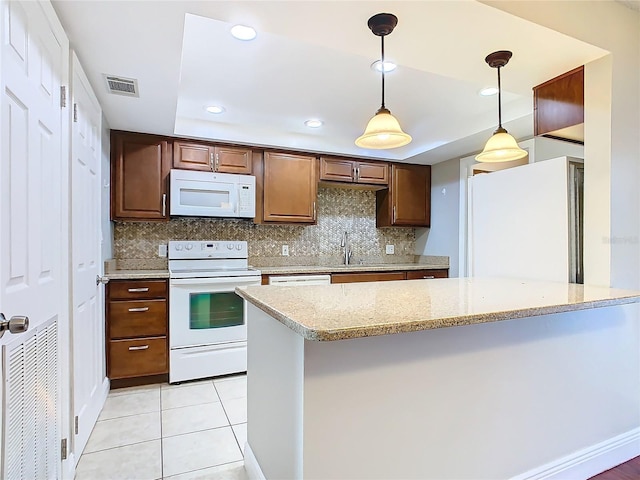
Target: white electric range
{"x": 207, "y": 320}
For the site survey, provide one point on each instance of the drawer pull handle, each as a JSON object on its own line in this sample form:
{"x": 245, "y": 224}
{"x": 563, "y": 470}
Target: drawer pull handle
{"x": 138, "y": 290}
{"x": 428, "y": 276}
{"x": 141, "y": 347}
{"x": 143, "y": 309}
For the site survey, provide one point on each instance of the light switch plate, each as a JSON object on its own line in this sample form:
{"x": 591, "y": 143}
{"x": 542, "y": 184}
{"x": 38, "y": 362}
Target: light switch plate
{"x": 390, "y": 250}
{"x": 285, "y": 250}
{"x": 162, "y": 250}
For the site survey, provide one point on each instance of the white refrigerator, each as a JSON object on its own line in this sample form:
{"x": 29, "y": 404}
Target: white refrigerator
{"x": 527, "y": 221}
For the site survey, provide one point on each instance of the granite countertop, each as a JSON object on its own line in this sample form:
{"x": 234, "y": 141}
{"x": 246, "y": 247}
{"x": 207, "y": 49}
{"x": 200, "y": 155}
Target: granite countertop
{"x": 291, "y": 269}
{"x": 379, "y": 267}
{"x": 136, "y": 274}
{"x": 352, "y": 310}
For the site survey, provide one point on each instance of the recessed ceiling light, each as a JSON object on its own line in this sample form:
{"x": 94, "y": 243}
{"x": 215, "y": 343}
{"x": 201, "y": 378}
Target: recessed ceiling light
{"x": 487, "y": 92}
{"x": 215, "y": 109}
{"x": 314, "y": 123}
{"x": 243, "y": 32}
{"x": 388, "y": 66}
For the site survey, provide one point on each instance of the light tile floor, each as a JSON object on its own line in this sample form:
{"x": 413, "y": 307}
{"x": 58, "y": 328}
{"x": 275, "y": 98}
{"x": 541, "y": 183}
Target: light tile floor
{"x": 196, "y": 430}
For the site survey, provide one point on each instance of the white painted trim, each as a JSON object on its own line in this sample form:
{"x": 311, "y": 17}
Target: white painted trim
{"x": 251, "y": 465}
{"x": 589, "y": 461}
{"x": 69, "y": 467}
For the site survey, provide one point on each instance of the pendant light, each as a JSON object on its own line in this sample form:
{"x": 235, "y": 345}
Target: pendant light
{"x": 383, "y": 130}
{"x": 501, "y": 147}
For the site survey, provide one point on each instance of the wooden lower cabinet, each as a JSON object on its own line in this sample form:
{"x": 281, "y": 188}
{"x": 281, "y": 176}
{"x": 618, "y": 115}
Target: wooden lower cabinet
{"x": 386, "y": 276}
{"x": 366, "y": 277}
{"x": 138, "y": 357}
{"x": 137, "y": 328}
{"x": 432, "y": 273}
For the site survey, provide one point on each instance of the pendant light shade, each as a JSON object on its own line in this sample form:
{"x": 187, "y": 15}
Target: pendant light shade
{"x": 383, "y": 130}
{"x": 501, "y": 147}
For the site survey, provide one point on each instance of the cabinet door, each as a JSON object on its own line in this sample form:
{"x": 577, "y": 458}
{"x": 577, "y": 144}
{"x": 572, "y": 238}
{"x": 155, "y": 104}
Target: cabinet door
{"x": 431, "y": 273}
{"x": 337, "y": 169}
{"x": 366, "y": 277}
{"x": 290, "y": 188}
{"x": 559, "y": 104}
{"x": 192, "y": 156}
{"x": 372, "y": 173}
{"x": 137, "y": 357}
{"x": 407, "y": 201}
{"x": 139, "y": 169}
{"x": 233, "y": 160}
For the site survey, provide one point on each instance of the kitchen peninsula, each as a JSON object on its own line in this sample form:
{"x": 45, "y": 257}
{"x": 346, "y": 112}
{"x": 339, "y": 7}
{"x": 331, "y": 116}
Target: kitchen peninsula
{"x": 366, "y": 381}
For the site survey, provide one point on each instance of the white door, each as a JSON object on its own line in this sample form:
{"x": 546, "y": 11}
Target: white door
{"x": 89, "y": 382}
{"x": 33, "y": 237}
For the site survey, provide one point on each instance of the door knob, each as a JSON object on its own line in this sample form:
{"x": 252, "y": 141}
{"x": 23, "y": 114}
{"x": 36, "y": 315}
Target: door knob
{"x": 17, "y": 324}
{"x": 103, "y": 280}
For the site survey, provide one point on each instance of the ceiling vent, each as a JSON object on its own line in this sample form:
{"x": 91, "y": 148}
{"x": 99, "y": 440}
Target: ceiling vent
{"x": 122, "y": 86}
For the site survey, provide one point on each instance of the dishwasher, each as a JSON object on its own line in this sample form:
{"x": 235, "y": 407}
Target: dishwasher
{"x": 299, "y": 280}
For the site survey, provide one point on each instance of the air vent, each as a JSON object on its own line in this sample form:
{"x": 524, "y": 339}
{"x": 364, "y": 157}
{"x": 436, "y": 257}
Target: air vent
{"x": 122, "y": 86}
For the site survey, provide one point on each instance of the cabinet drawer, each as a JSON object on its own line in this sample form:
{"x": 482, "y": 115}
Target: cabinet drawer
{"x": 137, "y": 289}
{"x": 136, "y": 358}
{"x": 147, "y": 318}
{"x": 366, "y": 277}
{"x": 432, "y": 273}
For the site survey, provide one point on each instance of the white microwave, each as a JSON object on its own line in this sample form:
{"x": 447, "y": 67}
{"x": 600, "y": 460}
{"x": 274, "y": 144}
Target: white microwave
{"x": 209, "y": 194}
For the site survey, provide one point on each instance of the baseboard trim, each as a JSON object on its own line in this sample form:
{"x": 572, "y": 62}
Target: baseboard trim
{"x": 254, "y": 472}
{"x": 589, "y": 461}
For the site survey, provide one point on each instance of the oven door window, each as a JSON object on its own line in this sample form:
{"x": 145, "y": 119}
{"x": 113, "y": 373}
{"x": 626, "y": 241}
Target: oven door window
{"x": 215, "y": 310}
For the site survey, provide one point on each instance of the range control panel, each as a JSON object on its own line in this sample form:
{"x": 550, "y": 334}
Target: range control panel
{"x": 188, "y": 249}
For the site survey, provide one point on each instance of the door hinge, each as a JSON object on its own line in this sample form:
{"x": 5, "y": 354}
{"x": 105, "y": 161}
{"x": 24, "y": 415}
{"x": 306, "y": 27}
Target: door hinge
{"x": 63, "y": 96}
{"x": 63, "y": 449}
{"x": 76, "y": 424}
{"x": 75, "y": 112}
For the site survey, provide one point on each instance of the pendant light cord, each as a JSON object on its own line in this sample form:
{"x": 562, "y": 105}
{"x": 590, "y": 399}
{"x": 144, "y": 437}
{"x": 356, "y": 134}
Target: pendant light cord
{"x": 499, "y": 101}
{"x": 382, "y": 68}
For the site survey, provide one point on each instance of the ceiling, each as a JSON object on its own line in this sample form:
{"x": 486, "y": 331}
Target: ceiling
{"x": 311, "y": 59}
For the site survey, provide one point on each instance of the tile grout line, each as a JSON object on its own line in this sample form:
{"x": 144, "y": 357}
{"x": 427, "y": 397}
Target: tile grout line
{"x": 161, "y": 440}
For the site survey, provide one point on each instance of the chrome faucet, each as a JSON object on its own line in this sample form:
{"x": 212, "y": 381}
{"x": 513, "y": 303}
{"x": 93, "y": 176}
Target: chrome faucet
{"x": 347, "y": 248}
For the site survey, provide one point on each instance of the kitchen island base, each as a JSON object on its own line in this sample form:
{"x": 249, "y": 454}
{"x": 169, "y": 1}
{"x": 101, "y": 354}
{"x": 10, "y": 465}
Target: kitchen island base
{"x": 493, "y": 400}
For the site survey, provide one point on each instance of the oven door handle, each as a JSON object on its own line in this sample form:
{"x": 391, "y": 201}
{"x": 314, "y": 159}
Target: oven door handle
{"x": 234, "y": 281}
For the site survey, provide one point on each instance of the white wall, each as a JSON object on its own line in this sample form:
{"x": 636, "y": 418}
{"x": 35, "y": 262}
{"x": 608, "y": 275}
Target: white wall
{"x": 442, "y": 237}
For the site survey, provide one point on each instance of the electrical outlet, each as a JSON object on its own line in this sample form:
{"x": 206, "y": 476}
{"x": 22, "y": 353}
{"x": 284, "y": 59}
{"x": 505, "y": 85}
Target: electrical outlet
{"x": 162, "y": 250}
{"x": 390, "y": 250}
{"x": 285, "y": 250}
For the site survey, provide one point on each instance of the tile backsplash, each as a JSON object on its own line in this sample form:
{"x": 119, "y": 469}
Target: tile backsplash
{"x": 339, "y": 210}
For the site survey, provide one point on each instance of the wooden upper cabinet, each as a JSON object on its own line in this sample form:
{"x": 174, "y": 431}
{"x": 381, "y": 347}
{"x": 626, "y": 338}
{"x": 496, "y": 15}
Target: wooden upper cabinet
{"x": 289, "y": 188}
{"x": 232, "y": 160}
{"x": 192, "y": 156}
{"x": 336, "y": 169}
{"x": 407, "y": 201}
{"x": 558, "y": 106}
{"x": 373, "y": 173}
{"x": 140, "y": 165}
{"x": 207, "y": 157}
